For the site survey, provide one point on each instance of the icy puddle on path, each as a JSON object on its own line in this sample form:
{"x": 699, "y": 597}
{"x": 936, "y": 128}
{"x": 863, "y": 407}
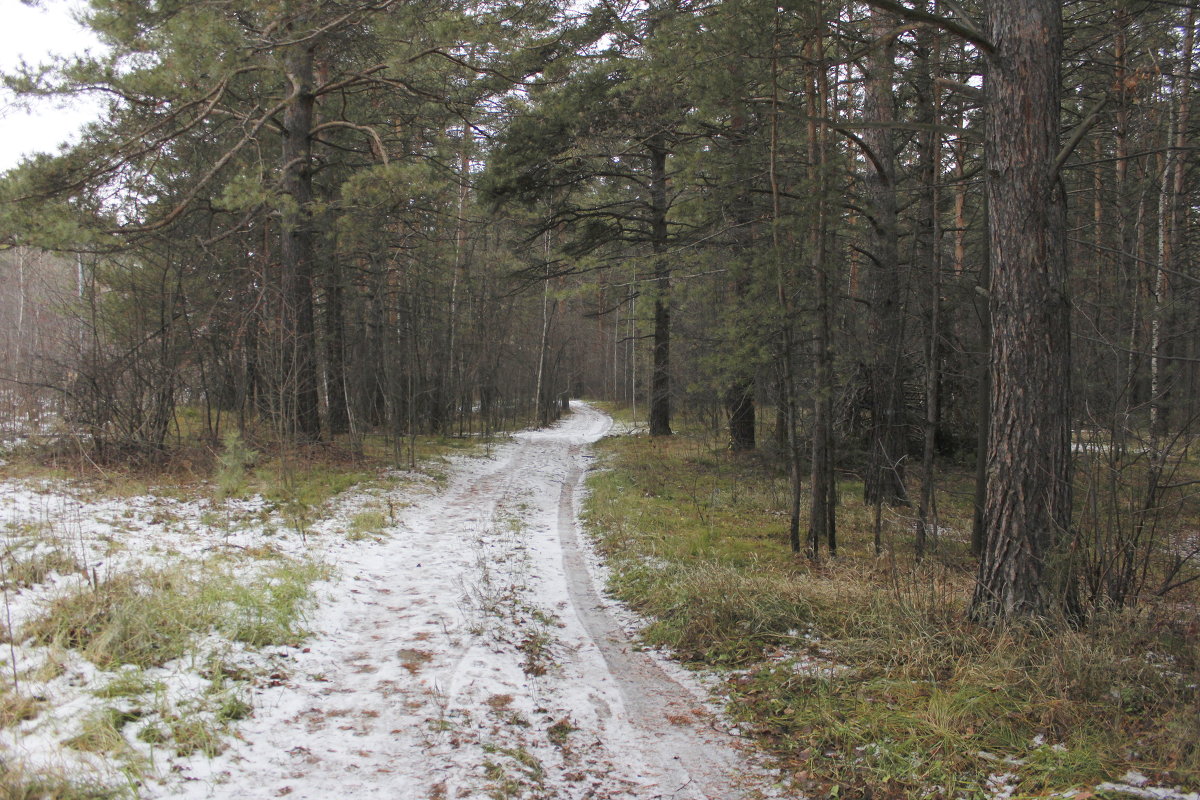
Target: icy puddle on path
{"x": 471, "y": 655}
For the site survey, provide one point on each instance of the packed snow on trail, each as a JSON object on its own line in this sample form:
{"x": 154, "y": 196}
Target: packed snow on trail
{"x": 466, "y": 652}
{"x": 469, "y": 654}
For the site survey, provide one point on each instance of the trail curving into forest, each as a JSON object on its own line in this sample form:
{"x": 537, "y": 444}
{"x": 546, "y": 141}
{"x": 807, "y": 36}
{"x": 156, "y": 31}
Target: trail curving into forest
{"x": 471, "y": 654}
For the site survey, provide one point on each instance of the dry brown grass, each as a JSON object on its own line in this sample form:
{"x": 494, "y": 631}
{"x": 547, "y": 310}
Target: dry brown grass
{"x": 862, "y": 672}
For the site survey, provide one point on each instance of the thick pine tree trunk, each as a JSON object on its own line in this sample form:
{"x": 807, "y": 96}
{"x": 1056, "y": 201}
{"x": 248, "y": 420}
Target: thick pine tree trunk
{"x": 884, "y": 478}
{"x": 301, "y": 414}
{"x": 739, "y": 406}
{"x": 787, "y": 408}
{"x": 660, "y": 380}
{"x": 1129, "y": 210}
{"x": 1027, "y": 510}
{"x": 822, "y": 518}
{"x": 739, "y": 392}
{"x": 927, "y": 252}
{"x": 1164, "y": 336}
{"x": 983, "y": 428}
{"x": 335, "y": 351}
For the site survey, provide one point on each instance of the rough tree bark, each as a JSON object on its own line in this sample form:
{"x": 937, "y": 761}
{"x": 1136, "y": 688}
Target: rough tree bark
{"x": 822, "y": 519}
{"x": 1170, "y": 242}
{"x": 660, "y": 381}
{"x": 783, "y": 278}
{"x": 927, "y": 256}
{"x": 1027, "y": 510}
{"x": 335, "y": 351}
{"x": 884, "y": 478}
{"x": 301, "y": 412}
{"x": 983, "y": 428}
{"x": 739, "y": 397}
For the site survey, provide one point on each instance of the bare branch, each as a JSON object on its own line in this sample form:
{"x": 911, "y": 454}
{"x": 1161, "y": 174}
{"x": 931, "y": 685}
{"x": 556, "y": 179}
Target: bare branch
{"x": 966, "y": 90}
{"x": 964, "y": 27}
{"x": 376, "y": 141}
{"x": 1077, "y": 136}
{"x": 183, "y": 204}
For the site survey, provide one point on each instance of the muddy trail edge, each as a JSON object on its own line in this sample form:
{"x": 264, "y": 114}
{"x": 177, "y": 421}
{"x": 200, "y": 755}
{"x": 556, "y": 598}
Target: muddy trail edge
{"x": 469, "y": 653}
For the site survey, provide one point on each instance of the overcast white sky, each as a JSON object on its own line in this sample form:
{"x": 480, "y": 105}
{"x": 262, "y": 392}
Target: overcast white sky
{"x": 34, "y": 33}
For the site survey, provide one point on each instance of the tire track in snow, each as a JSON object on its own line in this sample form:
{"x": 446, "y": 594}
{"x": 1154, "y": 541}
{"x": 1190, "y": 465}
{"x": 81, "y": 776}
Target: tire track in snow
{"x": 409, "y": 689}
{"x": 671, "y": 720}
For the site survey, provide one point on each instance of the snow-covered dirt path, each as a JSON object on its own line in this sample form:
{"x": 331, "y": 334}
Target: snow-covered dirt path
{"x": 470, "y": 654}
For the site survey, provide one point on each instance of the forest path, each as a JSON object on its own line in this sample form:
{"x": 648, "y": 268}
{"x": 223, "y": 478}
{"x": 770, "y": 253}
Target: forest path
{"x": 469, "y": 655}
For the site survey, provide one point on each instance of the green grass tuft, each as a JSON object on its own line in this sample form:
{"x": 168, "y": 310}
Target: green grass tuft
{"x": 366, "y": 525}
{"x": 145, "y": 619}
{"x": 268, "y": 611}
{"x": 16, "y": 708}
{"x": 156, "y": 616}
{"x": 17, "y": 783}
{"x": 101, "y": 732}
{"x": 128, "y": 683}
{"x": 23, "y": 569}
{"x": 195, "y": 734}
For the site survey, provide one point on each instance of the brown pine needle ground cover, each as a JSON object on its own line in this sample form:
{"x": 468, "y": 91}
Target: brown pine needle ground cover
{"x": 861, "y": 673}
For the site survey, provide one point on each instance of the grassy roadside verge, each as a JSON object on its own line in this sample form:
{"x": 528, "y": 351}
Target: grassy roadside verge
{"x": 145, "y": 603}
{"x": 861, "y": 675}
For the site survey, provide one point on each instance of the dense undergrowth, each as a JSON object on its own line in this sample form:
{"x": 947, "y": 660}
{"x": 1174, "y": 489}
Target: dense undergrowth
{"x": 861, "y": 673}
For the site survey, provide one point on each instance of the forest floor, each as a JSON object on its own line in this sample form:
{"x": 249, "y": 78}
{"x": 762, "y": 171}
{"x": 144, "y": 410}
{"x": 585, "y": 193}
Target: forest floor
{"x": 458, "y": 646}
{"x": 862, "y": 673}
{"x": 338, "y": 629}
